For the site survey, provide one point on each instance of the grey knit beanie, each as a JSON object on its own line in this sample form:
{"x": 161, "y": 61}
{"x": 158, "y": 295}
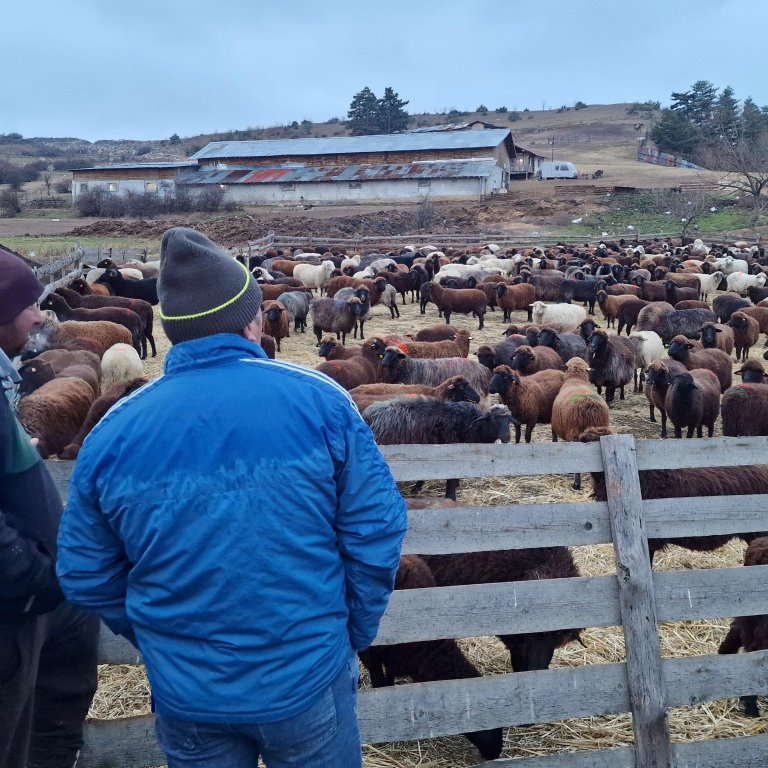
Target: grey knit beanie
{"x": 202, "y": 291}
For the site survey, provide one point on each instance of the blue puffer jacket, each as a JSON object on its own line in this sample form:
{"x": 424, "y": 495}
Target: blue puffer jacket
{"x": 236, "y": 520}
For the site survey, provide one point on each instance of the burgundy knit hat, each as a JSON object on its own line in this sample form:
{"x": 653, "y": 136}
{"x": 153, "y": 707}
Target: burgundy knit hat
{"x": 19, "y": 287}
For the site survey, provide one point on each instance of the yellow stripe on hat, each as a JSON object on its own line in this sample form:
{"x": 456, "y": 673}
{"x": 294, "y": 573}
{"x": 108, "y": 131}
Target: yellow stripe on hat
{"x": 215, "y": 309}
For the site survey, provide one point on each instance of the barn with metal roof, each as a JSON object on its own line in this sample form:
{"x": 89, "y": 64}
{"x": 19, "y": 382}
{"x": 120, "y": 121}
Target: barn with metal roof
{"x": 458, "y": 164}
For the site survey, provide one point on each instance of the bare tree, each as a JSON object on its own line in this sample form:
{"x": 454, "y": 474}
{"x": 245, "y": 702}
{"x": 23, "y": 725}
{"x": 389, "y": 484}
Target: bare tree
{"x": 48, "y": 178}
{"x": 682, "y": 206}
{"x": 743, "y": 168}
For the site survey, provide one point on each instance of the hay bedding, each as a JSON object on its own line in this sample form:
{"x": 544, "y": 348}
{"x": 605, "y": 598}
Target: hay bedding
{"x": 124, "y": 691}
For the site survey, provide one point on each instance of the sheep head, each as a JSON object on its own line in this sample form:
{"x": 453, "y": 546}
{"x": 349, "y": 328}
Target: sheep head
{"x": 458, "y": 389}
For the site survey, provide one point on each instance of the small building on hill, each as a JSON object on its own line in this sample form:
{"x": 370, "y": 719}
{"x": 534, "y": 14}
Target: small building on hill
{"x": 157, "y": 178}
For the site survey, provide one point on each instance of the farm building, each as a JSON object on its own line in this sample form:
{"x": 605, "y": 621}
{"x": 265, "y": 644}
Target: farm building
{"x": 159, "y": 178}
{"x": 351, "y": 183}
{"x": 461, "y": 164}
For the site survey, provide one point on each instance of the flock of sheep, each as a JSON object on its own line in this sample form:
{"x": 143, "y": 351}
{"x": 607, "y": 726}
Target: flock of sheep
{"x": 419, "y": 374}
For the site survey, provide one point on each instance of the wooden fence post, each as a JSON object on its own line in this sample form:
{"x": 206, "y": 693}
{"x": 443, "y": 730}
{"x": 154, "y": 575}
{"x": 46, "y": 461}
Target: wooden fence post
{"x": 647, "y": 688}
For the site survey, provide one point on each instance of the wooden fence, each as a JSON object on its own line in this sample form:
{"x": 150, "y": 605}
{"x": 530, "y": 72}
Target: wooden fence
{"x": 645, "y": 685}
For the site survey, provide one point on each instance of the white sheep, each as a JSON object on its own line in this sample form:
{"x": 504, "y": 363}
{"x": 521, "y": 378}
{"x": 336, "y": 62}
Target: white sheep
{"x": 462, "y": 270}
{"x": 698, "y": 249}
{"x": 709, "y": 283}
{"x": 259, "y": 273}
{"x": 94, "y": 274}
{"x": 551, "y": 314}
{"x": 505, "y": 265}
{"x": 352, "y": 262}
{"x": 120, "y": 364}
{"x": 649, "y": 349}
{"x": 738, "y": 282}
{"x": 314, "y": 276}
{"x": 381, "y": 265}
{"x": 728, "y": 265}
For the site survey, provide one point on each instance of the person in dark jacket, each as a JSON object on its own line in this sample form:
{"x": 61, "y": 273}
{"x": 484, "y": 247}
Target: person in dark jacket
{"x": 236, "y": 521}
{"x": 47, "y": 646}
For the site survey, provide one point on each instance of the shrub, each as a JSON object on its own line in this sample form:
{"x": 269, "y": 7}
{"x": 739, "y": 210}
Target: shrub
{"x": 482, "y": 109}
{"x": 175, "y": 139}
{"x": 9, "y": 203}
{"x": 501, "y": 110}
{"x": 64, "y": 186}
{"x": 579, "y": 105}
{"x": 88, "y": 203}
{"x": 209, "y": 199}
{"x": 112, "y": 206}
{"x": 513, "y": 117}
{"x": 143, "y": 150}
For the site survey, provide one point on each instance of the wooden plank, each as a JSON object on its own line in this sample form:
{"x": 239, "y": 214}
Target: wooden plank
{"x": 478, "y": 610}
{"x": 426, "y": 710}
{"x": 477, "y": 529}
{"x": 744, "y": 752}
{"x": 125, "y": 743}
{"x": 714, "y": 593}
{"x": 115, "y": 649}
{"x": 705, "y": 515}
{"x": 440, "y": 462}
{"x": 60, "y": 471}
{"x": 538, "y": 606}
{"x": 647, "y": 690}
{"x": 708, "y": 452}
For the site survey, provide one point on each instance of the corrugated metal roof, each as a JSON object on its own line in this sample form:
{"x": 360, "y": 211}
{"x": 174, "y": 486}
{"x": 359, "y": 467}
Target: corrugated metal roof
{"x": 444, "y": 169}
{"x": 393, "y": 142}
{"x": 139, "y": 166}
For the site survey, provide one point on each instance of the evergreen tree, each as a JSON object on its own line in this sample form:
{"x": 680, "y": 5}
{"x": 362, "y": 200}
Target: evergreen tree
{"x": 363, "y": 114}
{"x": 753, "y": 120}
{"x": 726, "y": 115}
{"x": 675, "y": 133}
{"x": 391, "y": 115}
{"x": 697, "y": 105}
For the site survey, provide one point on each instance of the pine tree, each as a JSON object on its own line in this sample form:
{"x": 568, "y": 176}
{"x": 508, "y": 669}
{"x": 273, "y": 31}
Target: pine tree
{"x": 753, "y": 120}
{"x": 697, "y": 105}
{"x": 391, "y": 115}
{"x": 363, "y": 113}
{"x": 726, "y": 115}
{"x": 675, "y": 133}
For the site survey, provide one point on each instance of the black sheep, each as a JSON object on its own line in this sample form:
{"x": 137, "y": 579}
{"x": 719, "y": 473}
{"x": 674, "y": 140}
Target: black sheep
{"x": 134, "y": 289}
{"x": 427, "y": 660}
{"x": 527, "y": 651}
{"x": 726, "y": 304}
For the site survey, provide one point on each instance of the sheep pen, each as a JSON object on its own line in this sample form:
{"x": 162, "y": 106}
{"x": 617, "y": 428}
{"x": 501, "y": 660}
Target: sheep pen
{"x": 123, "y": 690}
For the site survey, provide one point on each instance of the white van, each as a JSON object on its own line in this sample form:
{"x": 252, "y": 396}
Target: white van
{"x": 557, "y": 169}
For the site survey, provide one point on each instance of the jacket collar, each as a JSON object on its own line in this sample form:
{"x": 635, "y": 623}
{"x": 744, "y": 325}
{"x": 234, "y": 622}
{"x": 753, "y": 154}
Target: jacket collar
{"x": 210, "y": 350}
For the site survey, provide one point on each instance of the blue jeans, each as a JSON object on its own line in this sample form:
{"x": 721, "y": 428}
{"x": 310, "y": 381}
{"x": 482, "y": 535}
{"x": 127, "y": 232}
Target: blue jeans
{"x": 324, "y": 736}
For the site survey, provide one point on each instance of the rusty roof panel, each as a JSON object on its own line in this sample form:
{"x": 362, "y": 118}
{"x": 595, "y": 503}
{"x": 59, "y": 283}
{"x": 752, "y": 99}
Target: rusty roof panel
{"x": 442, "y": 169}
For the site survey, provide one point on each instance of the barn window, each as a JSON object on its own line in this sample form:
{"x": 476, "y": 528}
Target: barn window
{"x": 355, "y": 185}
{"x": 84, "y": 186}
{"x": 290, "y": 187}
{"x": 150, "y": 186}
{"x": 112, "y": 186}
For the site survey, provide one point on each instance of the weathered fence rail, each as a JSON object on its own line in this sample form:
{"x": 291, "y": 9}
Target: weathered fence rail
{"x": 645, "y": 684}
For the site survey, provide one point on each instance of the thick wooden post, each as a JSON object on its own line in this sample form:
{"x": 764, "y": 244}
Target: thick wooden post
{"x": 647, "y": 690}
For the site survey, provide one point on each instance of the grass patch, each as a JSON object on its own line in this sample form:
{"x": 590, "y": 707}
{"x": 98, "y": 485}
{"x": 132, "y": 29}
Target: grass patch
{"x": 52, "y": 246}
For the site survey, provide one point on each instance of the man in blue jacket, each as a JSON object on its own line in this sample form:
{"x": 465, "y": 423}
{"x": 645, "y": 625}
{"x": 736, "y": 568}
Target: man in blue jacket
{"x": 236, "y": 521}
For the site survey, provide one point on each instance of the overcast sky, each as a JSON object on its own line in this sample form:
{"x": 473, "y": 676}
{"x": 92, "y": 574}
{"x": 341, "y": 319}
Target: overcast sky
{"x": 145, "y": 69}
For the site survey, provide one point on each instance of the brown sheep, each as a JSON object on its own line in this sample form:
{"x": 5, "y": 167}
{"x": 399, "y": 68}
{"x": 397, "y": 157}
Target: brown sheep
{"x": 118, "y": 315}
{"x": 610, "y": 305}
{"x": 98, "y": 409}
{"x": 332, "y": 349}
{"x": 613, "y": 361}
{"x": 657, "y": 379}
{"x": 102, "y": 333}
{"x": 746, "y": 333}
{"x": 514, "y": 298}
{"x": 715, "y": 360}
{"x": 54, "y": 413}
{"x": 628, "y": 313}
{"x": 744, "y": 410}
{"x": 749, "y": 632}
{"x": 436, "y": 333}
{"x": 457, "y": 347}
{"x": 352, "y": 372}
{"x": 577, "y": 407}
{"x": 464, "y": 301}
{"x": 529, "y": 359}
{"x": 761, "y": 315}
{"x": 717, "y": 336}
{"x": 692, "y": 304}
{"x": 271, "y": 292}
{"x": 455, "y": 389}
{"x": 275, "y": 320}
{"x": 529, "y": 398}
